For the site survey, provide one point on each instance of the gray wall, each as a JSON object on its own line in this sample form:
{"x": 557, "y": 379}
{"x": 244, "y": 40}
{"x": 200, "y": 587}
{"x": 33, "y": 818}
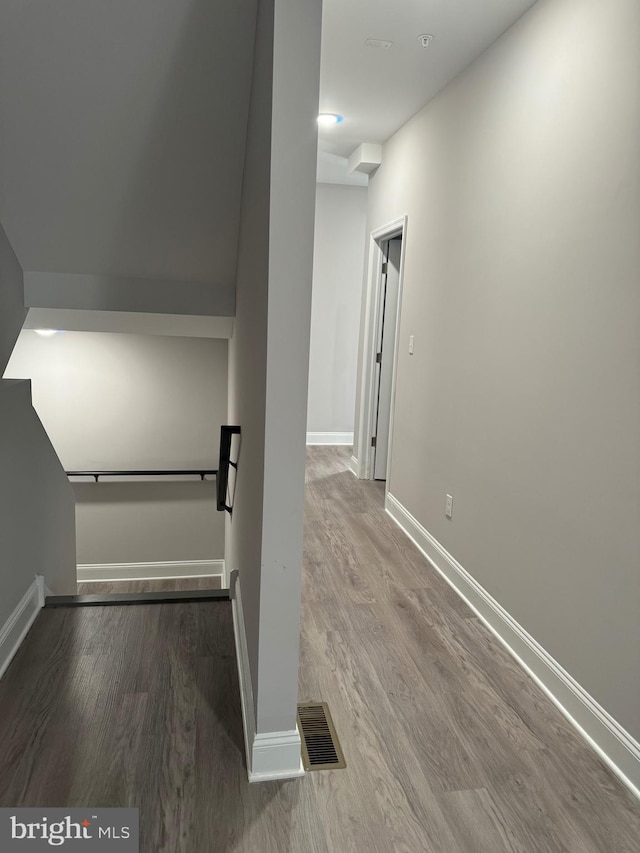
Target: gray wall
{"x": 338, "y": 261}
{"x": 37, "y": 531}
{"x": 521, "y": 183}
{"x": 148, "y": 522}
{"x": 12, "y": 310}
{"x": 118, "y": 293}
{"x": 123, "y": 136}
{"x": 270, "y": 347}
{"x": 248, "y": 345}
{"x": 111, "y": 401}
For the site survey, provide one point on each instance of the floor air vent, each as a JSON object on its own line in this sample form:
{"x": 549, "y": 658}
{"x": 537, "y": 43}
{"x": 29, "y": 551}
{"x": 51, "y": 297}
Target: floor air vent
{"x": 320, "y": 745}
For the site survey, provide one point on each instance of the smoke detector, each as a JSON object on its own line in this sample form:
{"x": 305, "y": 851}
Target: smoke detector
{"x": 425, "y": 39}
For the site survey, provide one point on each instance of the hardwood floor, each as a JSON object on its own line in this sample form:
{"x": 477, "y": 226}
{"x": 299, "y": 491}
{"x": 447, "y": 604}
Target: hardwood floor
{"x": 165, "y": 585}
{"x": 450, "y": 747}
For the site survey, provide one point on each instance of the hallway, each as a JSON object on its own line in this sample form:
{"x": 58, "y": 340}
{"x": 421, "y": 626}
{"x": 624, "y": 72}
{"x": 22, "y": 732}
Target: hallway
{"x": 450, "y": 747}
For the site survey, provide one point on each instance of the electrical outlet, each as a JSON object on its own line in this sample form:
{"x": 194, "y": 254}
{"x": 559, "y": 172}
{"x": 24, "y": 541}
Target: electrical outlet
{"x": 448, "y": 507}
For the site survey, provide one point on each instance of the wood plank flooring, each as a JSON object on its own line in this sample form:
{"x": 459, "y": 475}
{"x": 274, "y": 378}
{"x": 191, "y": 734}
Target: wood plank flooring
{"x": 456, "y": 746}
{"x": 165, "y": 585}
{"x": 450, "y": 747}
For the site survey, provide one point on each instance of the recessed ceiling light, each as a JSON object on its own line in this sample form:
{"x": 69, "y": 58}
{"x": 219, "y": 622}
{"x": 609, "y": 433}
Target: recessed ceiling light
{"x": 46, "y": 333}
{"x": 326, "y": 119}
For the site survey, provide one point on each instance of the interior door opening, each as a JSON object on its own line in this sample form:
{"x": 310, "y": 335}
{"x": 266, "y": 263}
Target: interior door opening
{"x": 385, "y": 353}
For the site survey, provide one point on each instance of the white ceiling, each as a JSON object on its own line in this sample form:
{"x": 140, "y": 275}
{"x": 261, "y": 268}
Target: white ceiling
{"x": 376, "y": 90}
{"x": 332, "y": 169}
{"x": 123, "y": 123}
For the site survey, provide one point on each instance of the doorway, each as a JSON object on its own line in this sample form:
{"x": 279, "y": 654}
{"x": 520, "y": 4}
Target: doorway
{"x": 385, "y": 353}
{"x": 380, "y": 347}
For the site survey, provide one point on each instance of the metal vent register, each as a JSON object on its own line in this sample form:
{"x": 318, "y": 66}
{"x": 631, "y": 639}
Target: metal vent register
{"x": 321, "y": 748}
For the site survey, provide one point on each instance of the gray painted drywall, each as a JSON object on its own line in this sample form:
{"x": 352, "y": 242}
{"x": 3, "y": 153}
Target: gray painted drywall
{"x": 37, "y": 534}
{"x": 338, "y": 261}
{"x": 114, "y": 293}
{"x": 148, "y": 522}
{"x": 296, "y": 73}
{"x": 37, "y": 531}
{"x": 521, "y": 182}
{"x": 129, "y": 322}
{"x": 123, "y": 129}
{"x": 12, "y": 310}
{"x": 248, "y": 348}
{"x": 270, "y": 348}
{"x": 114, "y": 402}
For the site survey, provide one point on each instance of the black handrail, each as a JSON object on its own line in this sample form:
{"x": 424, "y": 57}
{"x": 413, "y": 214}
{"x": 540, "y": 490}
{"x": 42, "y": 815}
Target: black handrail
{"x": 202, "y": 473}
{"x": 226, "y": 435}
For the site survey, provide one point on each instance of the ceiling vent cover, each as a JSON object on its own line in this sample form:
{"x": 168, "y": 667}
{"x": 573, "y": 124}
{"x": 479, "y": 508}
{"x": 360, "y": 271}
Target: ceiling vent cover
{"x": 320, "y": 745}
{"x": 383, "y": 44}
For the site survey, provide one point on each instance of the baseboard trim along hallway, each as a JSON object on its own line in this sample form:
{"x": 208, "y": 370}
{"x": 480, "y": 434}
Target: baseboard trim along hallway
{"x": 335, "y": 438}
{"x": 270, "y": 755}
{"x": 614, "y": 745}
{"x": 15, "y": 629}
{"x": 150, "y": 571}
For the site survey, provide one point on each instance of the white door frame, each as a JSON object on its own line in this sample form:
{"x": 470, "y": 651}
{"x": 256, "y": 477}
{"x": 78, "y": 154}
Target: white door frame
{"x": 368, "y": 384}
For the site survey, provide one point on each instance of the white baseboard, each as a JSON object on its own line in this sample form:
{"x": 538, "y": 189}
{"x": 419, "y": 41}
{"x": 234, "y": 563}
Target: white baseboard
{"x": 149, "y": 571}
{"x": 341, "y": 438}
{"x": 612, "y": 743}
{"x": 15, "y": 629}
{"x": 353, "y": 466}
{"x": 270, "y": 755}
{"x": 244, "y": 670}
{"x": 276, "y": 755}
